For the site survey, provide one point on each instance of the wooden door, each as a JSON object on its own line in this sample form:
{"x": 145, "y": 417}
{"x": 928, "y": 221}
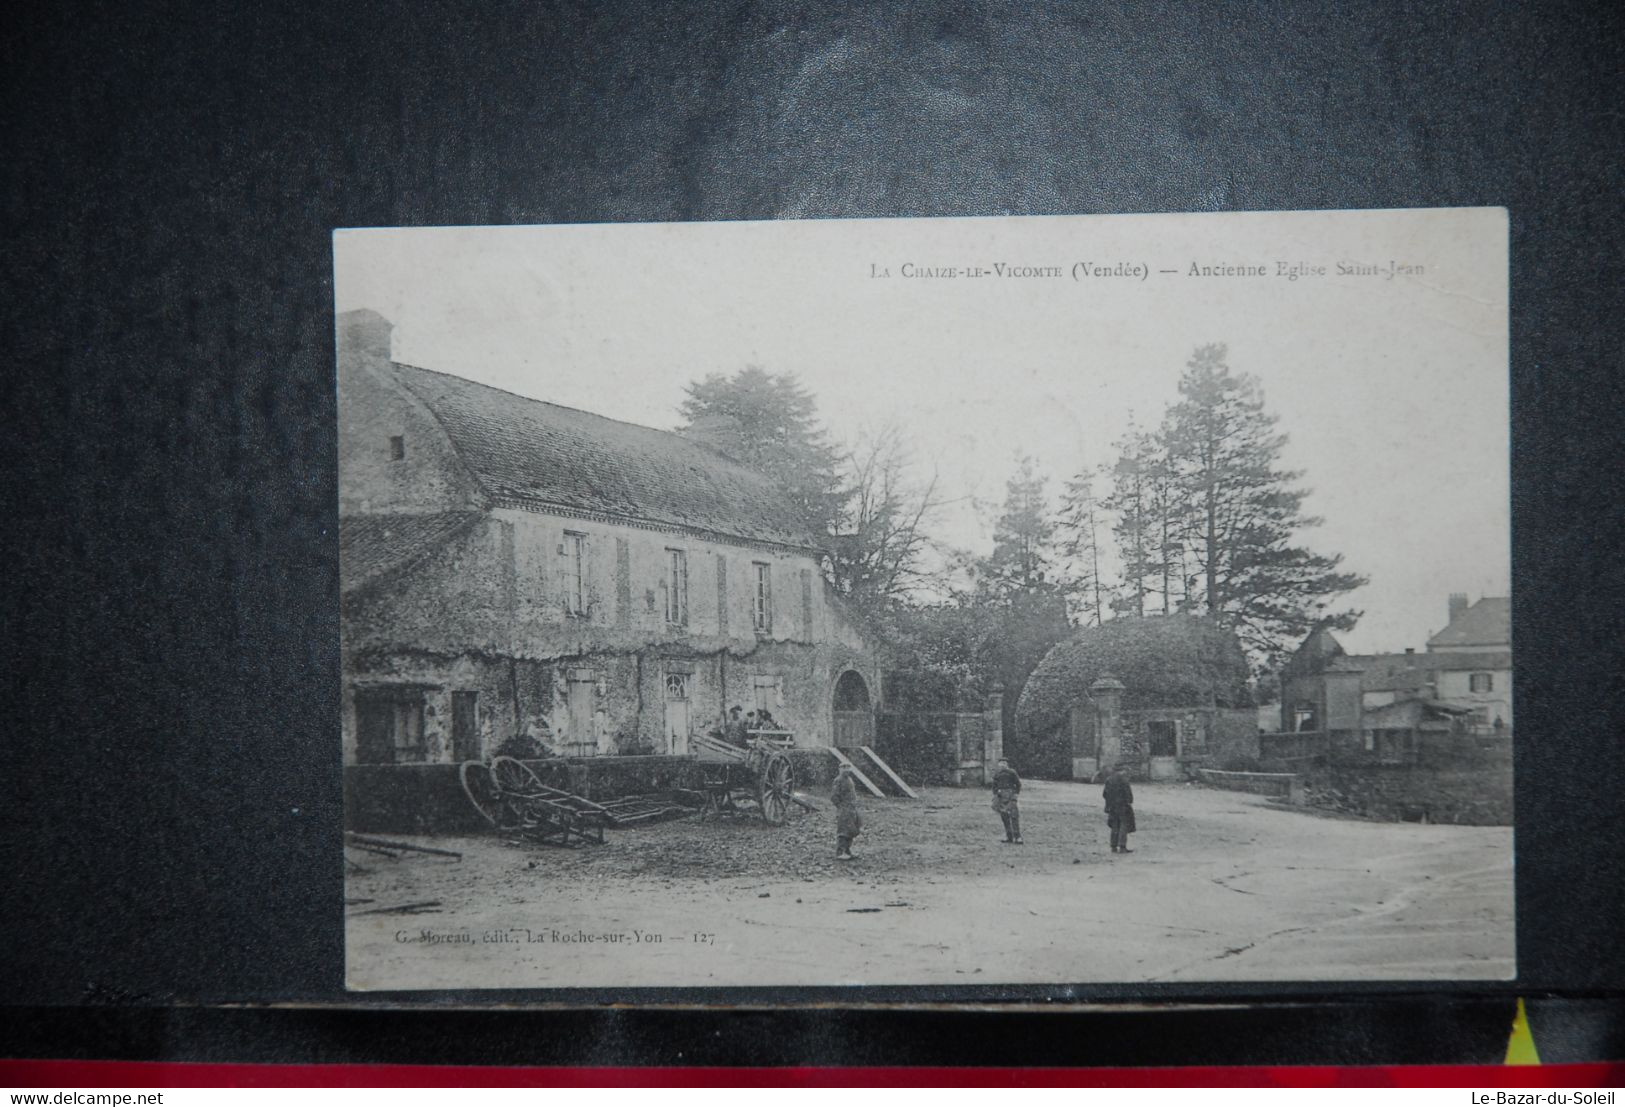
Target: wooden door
{"x": 854, "y": 728}
{"x": 677, "y": 713}
{"x": 1164, "y": 742}
{"x": 465, "y": 727}
{"x": 375, "y": 730}
{"x": 582, "y": 741}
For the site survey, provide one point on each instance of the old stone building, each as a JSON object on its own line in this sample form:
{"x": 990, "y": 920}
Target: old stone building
{"x": 516, "y": 569}
{"x": 1161, "y": 695}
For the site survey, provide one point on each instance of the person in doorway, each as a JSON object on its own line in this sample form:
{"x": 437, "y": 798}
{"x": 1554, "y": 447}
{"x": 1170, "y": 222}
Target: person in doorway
{"x": 1006, "y": 787}
{"x": 848, "y": 823}
{"x": 1119, "y": 797}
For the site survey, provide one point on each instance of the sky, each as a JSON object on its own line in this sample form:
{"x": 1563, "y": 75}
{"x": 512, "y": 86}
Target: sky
{"x": 1385, "y": 358}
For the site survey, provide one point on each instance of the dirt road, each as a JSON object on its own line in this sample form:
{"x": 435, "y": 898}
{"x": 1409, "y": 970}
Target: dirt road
{"x": 1221, "y": 886}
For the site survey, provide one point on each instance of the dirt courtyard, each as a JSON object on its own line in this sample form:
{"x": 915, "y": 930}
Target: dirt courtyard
{"x": 1221, "y": 886}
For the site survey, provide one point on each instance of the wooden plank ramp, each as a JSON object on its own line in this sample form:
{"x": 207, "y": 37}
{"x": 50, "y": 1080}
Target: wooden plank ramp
{"x": 857, "y": 773}
{"x": 890, "y": 775}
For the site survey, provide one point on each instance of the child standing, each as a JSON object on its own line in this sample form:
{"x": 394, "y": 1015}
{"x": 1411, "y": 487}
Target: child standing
{"x": 848, "y": 823}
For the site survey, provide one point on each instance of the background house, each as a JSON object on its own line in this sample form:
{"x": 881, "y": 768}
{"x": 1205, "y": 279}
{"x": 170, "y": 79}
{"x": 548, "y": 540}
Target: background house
{"x": 1387, "y": 705}
{"x": 1476, "y": 670}
{"x": 515, "y": 569}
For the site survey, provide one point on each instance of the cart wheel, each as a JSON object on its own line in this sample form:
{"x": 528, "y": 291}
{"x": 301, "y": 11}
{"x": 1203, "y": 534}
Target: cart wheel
{"x": 516, "y": 777}
{"x": 776, "y": 786}
{"x": 480, "y": 785}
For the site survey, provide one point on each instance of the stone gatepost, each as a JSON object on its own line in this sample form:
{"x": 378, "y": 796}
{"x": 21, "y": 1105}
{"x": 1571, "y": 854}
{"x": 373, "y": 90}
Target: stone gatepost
{"x": 993, "y": 732}
{"x": 1107, "y": 692}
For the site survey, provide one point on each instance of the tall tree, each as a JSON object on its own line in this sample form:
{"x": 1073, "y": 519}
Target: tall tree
{"x": 1133, "y": 501}
{"x": 1080, "y": 522}
{"x": 1026, "y": 556}
{"x": 880, "y": 549}
{"x": 769, "y": 422}
{"x": 1168, "y": 521}
{"x": 1022, "y": 587}
{"x": 1245, "y": 513}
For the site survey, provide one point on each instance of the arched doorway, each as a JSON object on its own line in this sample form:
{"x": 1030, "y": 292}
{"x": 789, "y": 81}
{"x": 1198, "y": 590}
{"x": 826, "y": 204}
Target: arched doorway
{"x": 854, "y": 714}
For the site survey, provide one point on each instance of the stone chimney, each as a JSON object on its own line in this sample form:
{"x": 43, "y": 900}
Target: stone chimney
{"x": 1458, "y": 606}
{"x": 364, "y": 332}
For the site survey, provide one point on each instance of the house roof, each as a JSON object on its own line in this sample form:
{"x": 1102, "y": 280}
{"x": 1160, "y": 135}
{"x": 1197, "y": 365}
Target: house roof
{"x": 1318, "y": 653}
{"x": 371, "y": 546}
{"x": 1487, "y": 623}
{"x": 1411, "y": 713}
{"x": 1410, "y": 672}
{"x": 538, "y": 454}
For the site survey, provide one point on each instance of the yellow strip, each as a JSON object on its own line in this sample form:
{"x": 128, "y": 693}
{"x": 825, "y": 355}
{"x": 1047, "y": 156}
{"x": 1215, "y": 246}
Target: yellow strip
{"x": 1521, "y": 1046}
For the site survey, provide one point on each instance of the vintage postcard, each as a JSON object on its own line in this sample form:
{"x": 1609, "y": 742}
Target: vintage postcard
{"x": 1006, "y": 601}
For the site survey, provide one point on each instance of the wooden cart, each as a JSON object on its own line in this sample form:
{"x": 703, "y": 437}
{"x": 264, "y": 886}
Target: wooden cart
{"x": 512, "y": 798}
{"x": 758, "y": 775}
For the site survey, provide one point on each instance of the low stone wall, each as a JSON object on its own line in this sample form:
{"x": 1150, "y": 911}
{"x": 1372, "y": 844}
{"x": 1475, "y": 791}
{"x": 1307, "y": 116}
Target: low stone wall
{"x": 930, "y": 747}
{"x": 1474, "y": 796}
{"x": 1263, "y": 784}
{"x": 407, "y": 799}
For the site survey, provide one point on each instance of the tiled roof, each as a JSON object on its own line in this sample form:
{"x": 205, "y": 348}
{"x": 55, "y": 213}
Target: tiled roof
{"x": 1487, "y": 623}
{"x": 540, "y": 454}
{"x": 1318, "y": 653}
{"x": 1409, "y": 713}
{"x": 371, "y": 546}
{"x": 1409, "y": 672}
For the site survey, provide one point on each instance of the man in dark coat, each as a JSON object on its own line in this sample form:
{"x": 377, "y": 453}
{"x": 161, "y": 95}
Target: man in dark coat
{"x": 1119, "y": 796}
{"x": 1006, "y": 787}
{"x": 734, "y": 731}
{"x": 848, "y": 823}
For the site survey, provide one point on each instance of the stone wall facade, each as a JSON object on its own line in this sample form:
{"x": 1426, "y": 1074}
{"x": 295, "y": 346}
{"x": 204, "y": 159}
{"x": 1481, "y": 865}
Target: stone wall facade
{"x": 588, "y": 634}
{"x": 1185, "y": 739}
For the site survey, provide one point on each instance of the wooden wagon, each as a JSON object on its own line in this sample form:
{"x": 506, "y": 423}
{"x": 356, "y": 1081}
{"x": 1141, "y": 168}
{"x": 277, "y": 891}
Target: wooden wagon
{"x": 759, "y": 775}
{"x": 513, "y": 797}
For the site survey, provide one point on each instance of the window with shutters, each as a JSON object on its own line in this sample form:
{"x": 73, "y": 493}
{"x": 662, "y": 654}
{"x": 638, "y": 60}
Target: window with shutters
{"x": 762, "y": 598}
{"x": 677, "y": 587}
{"x": 389, "y": 726}
{"x": 575, "y": 573}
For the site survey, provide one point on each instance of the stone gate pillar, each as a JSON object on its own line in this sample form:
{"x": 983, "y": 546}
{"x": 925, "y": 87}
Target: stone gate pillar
{"x": 1107, "y": 692}
{"x": 993, "y": 732}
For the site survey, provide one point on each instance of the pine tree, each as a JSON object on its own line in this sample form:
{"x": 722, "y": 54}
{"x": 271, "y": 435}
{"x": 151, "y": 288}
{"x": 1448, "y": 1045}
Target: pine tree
{"x": 1026, "y": 556}
{"x": 1244, "y": 513}
{"x": 768, "y": 422}
{"x": 1081, "y": 518}
{"x": 1132, "y": 500}
{"x": 1021, "y": 592}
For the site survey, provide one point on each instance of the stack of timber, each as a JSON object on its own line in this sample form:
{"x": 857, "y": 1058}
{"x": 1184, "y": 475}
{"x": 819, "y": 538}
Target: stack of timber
{"x": 641, "y": 809}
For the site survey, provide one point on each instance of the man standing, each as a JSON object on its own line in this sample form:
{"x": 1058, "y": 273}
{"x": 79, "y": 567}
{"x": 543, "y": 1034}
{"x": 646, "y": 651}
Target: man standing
{"x": 1119, "y": 796}
{"x": 848, "y": 823}
{"x": 734, "y": 731}
{"x": 1006, "y": 787}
